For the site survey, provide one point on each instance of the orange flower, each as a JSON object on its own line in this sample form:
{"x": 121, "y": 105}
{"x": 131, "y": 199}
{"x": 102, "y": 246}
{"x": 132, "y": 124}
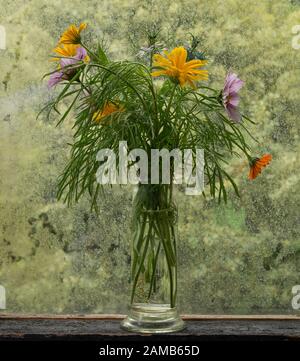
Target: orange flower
{"x": 108, "y": 109}
{"x": 257, "y": 164}
{"x": 66, "y": 50}
{"x": 175, "y": 66}
{"x": 72, "y": 34}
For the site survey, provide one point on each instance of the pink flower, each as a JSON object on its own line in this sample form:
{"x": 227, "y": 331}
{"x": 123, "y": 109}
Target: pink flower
{"x": 230, "y": 96}
{"x": 67, "y": 73}
{"x": 55, "y": 78}
{"x": 81, "y": 55}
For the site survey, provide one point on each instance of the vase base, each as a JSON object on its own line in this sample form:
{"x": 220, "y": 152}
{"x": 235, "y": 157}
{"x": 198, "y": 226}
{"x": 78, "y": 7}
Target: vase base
{"x": 152, "y": 318}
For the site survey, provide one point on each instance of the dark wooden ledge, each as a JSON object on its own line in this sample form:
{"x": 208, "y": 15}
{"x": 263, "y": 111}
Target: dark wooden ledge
{"x": 106, "y": 328}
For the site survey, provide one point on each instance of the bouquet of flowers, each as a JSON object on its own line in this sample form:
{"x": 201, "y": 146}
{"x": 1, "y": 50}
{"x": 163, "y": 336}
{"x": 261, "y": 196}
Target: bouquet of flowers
{"x": 159, "y": 101}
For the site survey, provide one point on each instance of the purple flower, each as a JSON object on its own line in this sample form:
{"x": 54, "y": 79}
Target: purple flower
{"x": 81, "y": 54}
{"x": 55, "y": 78}
{"x": 65, "y": 74}
{"x": 230, "y": 96}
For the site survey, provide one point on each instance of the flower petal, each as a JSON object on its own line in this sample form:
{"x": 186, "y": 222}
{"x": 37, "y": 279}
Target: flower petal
{"x": 233, "y": 113}
{"x": 67, "y": 62}
{"x": 236, "y": 85}
{"x": 232, "y": 83}
{"x": 174, "y": 65}
{"x": 81, "y": 53}
{"x": 55, "y": 78}
{"x": 234, "y": 99}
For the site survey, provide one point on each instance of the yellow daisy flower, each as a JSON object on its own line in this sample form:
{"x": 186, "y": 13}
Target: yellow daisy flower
{"x": 72, "y": 34}
{"x": 174, "y": 65}
{"x": 108, "y": 109}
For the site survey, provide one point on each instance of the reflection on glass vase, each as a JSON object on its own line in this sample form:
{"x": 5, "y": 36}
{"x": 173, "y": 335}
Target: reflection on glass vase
{"x": 154, "y": 262}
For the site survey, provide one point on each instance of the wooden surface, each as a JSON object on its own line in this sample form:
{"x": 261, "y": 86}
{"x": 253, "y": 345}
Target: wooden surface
{"x": 91, "y": 328}
{"x": 114, "y": 316}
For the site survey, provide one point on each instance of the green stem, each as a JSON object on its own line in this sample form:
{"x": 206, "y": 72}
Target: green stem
{"x": 170, "y": 262}
{"x": 136, "y": 277}
{"x": 89, "y": 51}
{"x": 154, "y": 271}
{"x": 175, "y": 251}
{"x": 138, "y": 244}
{"x": 171, "y": 100}
{"x": 151, "y": 87}
{"x": 124, "y": 80}
{"x": 171, "y": 190}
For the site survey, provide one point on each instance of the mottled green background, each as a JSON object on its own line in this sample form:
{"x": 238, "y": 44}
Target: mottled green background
{"x": 242, "y": 258}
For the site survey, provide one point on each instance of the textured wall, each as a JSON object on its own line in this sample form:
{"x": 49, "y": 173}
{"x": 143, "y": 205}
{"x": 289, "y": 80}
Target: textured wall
{"x": 242, "y": 258}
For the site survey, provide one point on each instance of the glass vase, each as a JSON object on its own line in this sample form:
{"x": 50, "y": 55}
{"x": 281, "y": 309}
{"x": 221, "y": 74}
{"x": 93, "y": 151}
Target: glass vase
{"x": 153, "y": 262}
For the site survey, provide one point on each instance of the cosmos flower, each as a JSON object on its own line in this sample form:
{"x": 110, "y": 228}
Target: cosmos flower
{"x": 55, "y": 78}
{"x": 72, "y": 34}
{"x": 108, "y": 109}
{"x": 257, "y": 164}
{"x": 175, "y": 66}
{"x": 66, "y": 71}
{"x": 230, "y": 96}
